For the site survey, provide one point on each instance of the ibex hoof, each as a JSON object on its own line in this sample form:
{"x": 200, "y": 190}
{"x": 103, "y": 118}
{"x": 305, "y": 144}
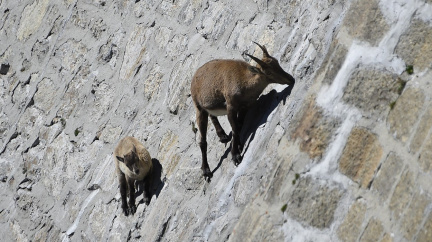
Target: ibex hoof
{"x": 125, "y": 211}
{"x": 146, "y": 200}
{"x": 132, "y": 210}
{"x": 224, "y": 139}
{"x": 207, "y": 174}
{"x": 237, "y": 159}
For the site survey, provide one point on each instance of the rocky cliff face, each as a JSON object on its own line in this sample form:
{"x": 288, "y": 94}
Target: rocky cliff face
{"x": 345, "y": 155}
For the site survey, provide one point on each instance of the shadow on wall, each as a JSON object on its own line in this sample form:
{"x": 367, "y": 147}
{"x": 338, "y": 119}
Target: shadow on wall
{"x": 157, "y": 182}
{"x": 256, "y": 116}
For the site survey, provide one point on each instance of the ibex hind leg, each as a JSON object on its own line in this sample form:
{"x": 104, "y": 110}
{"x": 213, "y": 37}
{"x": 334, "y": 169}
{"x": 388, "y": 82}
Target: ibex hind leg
{"x": 202, "y": 120}
{"x": 223, "y": 137}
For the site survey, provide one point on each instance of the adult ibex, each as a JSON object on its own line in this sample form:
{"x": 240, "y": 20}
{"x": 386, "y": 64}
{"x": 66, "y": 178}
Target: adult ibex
{"x": 133, "y": 163}
{"x": 229, "y": 87}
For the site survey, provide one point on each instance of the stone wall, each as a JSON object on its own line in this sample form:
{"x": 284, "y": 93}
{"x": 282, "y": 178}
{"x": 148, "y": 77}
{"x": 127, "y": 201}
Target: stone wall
{"x": 343, "y": 156}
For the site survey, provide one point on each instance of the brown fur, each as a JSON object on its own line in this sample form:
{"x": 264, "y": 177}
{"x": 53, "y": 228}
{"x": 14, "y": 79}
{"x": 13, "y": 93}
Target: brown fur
{"x": 133, "y": 163}
{"x": 229, "y": 87}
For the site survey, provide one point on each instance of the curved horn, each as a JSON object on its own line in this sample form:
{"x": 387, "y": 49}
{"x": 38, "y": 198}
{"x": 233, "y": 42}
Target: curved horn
{"x": 260, "y": 62}
{"x": 263, "y": 48}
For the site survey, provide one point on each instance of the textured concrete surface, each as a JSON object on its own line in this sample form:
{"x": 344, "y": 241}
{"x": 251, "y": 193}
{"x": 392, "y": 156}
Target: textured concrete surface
{"x": 343, "y": 156}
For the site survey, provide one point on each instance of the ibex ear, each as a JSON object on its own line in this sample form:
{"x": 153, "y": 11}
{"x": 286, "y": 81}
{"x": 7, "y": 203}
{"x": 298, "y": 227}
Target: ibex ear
{"x": 121, "y": 159}
{"x": 134, "y": 149}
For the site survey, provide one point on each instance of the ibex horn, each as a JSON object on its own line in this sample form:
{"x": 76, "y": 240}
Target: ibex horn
{"x": 260, "y": 62}
{"x": 263, "y": 48}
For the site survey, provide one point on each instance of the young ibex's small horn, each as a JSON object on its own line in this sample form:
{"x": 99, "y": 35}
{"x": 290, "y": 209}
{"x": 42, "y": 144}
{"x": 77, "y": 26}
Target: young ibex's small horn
{"x": 263, "y": 48}
{"x": 260, "y": 62}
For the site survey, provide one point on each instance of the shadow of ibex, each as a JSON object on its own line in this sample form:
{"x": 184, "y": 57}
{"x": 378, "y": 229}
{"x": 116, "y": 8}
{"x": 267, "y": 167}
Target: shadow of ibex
{"x": 256, "y": 116}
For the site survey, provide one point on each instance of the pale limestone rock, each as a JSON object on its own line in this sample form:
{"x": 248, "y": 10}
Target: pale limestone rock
{"x": 31, "y": 18}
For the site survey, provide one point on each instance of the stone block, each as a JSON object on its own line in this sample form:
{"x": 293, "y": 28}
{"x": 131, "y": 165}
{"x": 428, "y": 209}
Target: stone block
{"x": 40, "y": 49}
{"x": 110, "y": 134}
{"x": 425, "y": 233}
{"x": 31, "y": 18}
{"x": 189, "y": 11}
{"x": 72, "y": 54}
{"x": 167, "y": 152}
{"x": 100, "y": 214}
{"x": 351, "y": 227}
{"x": 414, "y": 215}
{"x": 408, "y": 106}
{"x": 361, "y": 156}
{"x": 242, "y": 35}
{"x": 255, "y": 224}
{"x": 215, "y": 19}
{"x": 314, "y": 130}
{"x": 373, "y": 231}
{"x": 104, "y": 94}
{"x": 422, "y": 131}
{"x": 425, "y": 157}
{"x": 135, "y": 51}
{"x": 281, "y": 179}
{"x": 415, "y": 46}
{"x": 387, "y": 238}
{"x": 153, "y": 82}
{"x": 313, "y": 203}
{"x": 179, "y": 86}
{"x": 403, "y": 194}
{"x": 45, "y": 97}
{"x": 361, "y": 16}
{"x": 242, "y": 190}
{"x": 387, "y": 175}
{"x": 373, "y": 91}
{"x": 333, "y": 61}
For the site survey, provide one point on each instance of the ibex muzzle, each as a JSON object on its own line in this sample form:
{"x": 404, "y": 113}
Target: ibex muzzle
{"x": 229, "y": 87}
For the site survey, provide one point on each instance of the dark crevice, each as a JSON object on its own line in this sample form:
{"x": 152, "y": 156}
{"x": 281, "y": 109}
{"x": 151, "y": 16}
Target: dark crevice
{"x": 93, "y": 187}
{"x": 138, "y": 69}
{"x": 162, "y": 233}
{"x": 326, "y": 18}
{"x": 14, "y": 135}
{"x": 35, "y": 143}
{"x": 129, "y": 235}
{"x": 4, "y": 68}
{"x": 27, "y": 81}
{"x": 31, "y": 103}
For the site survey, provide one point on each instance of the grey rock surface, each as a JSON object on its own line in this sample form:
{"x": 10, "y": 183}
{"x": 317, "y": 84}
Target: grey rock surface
{"x": 77, "y": 76}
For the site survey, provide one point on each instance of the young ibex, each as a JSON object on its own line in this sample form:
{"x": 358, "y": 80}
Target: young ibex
{"x": 229, "y": 87}
{"x": 133, "y": 163}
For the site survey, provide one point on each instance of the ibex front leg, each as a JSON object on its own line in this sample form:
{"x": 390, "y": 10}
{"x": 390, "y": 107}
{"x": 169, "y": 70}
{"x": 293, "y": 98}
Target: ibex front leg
{"x": 235, "y": 144}
{"x": 123, "y": 193}
{"x": 131, "y": 186}
{"x": 202, "y": 121}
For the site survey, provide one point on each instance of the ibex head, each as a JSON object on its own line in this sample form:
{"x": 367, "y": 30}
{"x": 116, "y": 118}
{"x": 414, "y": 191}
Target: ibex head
{"x": 270, "y": 67}
{"x": 131, "y": 160}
